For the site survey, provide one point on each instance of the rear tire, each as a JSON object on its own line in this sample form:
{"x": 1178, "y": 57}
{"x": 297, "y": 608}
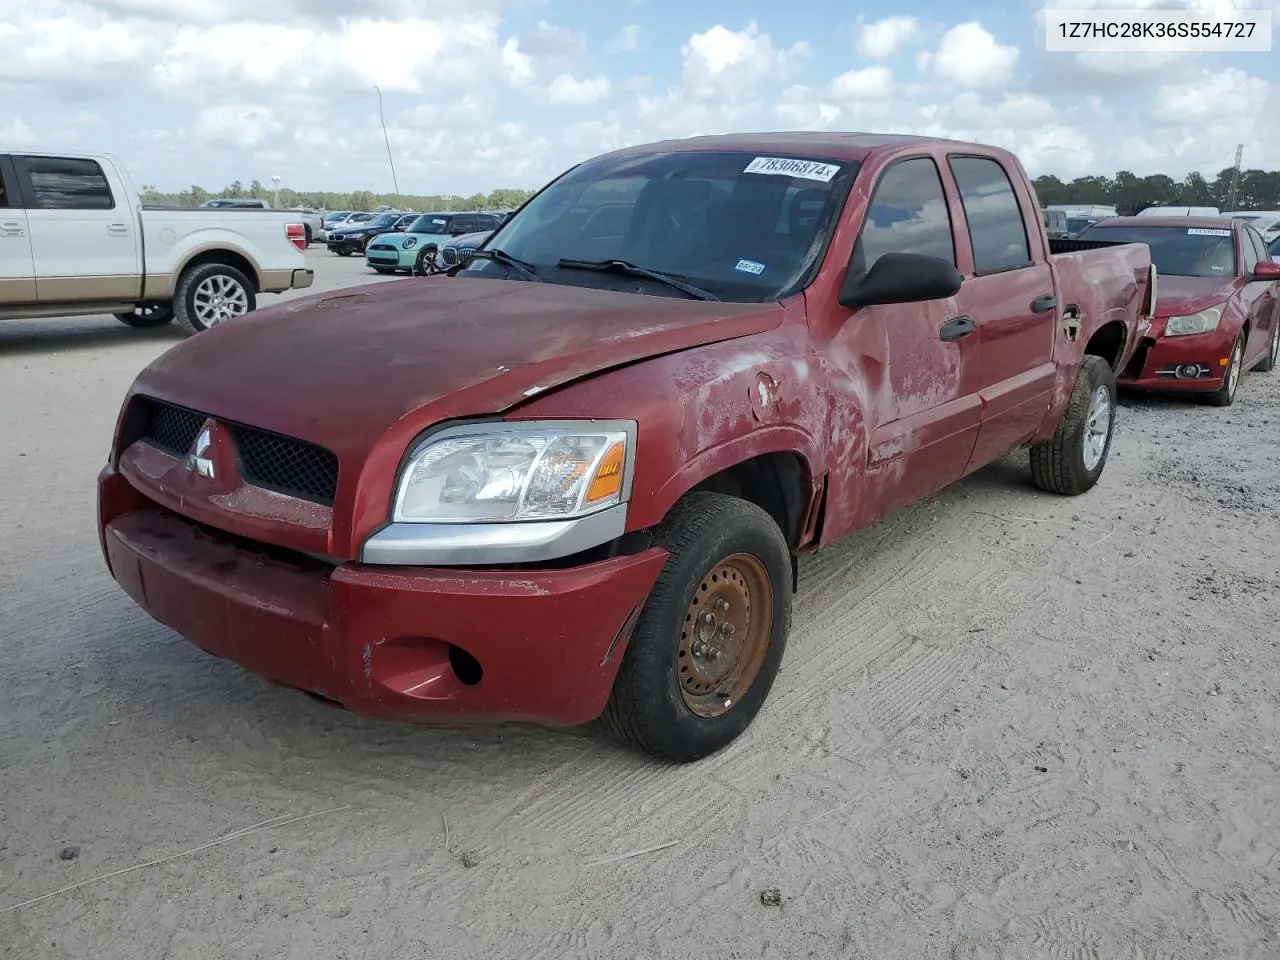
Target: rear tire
{"x": 210, "y": 293}
{"x": 147, "y": 315}
{"x": 1072, "y": 461}
{"x": 688, "y": 685}
{"x": 307, "y": 227}
{"x": 1225, "y": 395}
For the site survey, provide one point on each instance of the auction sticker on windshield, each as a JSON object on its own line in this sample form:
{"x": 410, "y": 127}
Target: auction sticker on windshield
{"x": 804, "y": 169}
{"x": 753, "y": 267}
{"x": 1201, "y": 232}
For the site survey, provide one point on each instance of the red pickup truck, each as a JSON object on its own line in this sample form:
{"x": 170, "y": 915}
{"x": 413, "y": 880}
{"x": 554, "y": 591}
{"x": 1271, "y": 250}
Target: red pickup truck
{"x": 570, "y": 478}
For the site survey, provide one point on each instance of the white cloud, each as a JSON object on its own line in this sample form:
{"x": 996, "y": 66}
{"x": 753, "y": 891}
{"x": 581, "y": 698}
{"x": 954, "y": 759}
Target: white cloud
{"x": 882, "y": 39}
{"x": 1231, "y": 94}
{"x": 720, "y": 59}
{"x": 567, "y": 90}
{"x": 241, "y": 125}
{"x": 970, "y": 56}
{"x": 16, "y": 133}
{"x": 871, "y": 83}
{"x": 627, "y": 40}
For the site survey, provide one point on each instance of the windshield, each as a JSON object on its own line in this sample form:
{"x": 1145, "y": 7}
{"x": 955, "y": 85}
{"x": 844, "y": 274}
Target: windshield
{"x": 429, "y": 223}
{"x": 385, "y": 220}
{"x": 1178, "y": 251}
{"x": 743, "y": 227}
{"x": 1273, "y": 248}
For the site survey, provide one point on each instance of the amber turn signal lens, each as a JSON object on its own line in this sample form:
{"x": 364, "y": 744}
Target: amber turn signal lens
{"x": 608, "y": 479}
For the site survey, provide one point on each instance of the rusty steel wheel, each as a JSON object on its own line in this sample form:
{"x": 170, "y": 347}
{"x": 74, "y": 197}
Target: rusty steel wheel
{"x": 709, "y": 640}
{"x": 726, "y": 635}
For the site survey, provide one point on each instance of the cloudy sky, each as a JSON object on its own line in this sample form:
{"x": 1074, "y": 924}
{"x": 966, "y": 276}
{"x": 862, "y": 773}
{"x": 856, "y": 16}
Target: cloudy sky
{"x": 501, "y": 93}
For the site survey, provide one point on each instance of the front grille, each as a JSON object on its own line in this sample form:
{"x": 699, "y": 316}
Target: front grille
{"x": 172, "y": 429}
{"x": 292, "y": 467}
{"x": 268, "y": 460}
{"x": 383, "y": 246}
{"x": 449, "y": 256}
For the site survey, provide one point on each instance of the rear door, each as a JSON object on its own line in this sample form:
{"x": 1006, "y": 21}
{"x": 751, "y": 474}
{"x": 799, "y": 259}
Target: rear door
{"x": 918, "y": 361}
{"x": 1260, "y": 295}
{"x": 84, "y": 236}
{"x": 1009, "y": 293}
{"x": 17, "y": 271}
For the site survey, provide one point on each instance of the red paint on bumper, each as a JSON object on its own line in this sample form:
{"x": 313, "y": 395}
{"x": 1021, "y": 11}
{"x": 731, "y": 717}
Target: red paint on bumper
{"x": 377, "y": 639}
{"x": 1206, "y": 348}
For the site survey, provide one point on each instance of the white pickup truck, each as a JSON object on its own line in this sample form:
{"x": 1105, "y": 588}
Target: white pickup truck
{"x": 76, "y": 239}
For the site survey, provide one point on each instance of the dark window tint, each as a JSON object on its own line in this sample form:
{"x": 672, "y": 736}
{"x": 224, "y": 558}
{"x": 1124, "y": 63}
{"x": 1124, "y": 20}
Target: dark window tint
{"x": 463, "y": 224}
{"x": 743, "y": 227}
{"x": 488, "y": 222}
{"x": 66, "y": 184}
{"x": 996, "y": 228}
{"x": 1249, "y": 251}
{"x": 1176, "y": 251}
{"x": 907, "y": 214}
{"x": 1259, "y": 244}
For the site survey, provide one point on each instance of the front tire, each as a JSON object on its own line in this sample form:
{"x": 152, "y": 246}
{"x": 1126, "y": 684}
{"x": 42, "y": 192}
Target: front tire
{"x": 1072, "y": 461}
{"x": 343, "y": 252}
{"x": 211, "y": 293}
{"x": 427, "y": 262}
{"x": 708, "y": 644}
{"x": 1225, "y": 395}
{"x": 147, "y": 315}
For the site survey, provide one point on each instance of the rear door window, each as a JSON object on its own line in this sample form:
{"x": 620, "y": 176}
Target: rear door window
{"x": 65, "y": 183}
{"x": 997, "y": 229}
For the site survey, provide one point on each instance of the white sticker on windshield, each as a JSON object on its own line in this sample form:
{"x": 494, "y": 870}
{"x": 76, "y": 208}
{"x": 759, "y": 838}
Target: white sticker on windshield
{"x": 804, "y": 169}
{"x": 754, "y": 267}
{"x": 1201, "y": 232}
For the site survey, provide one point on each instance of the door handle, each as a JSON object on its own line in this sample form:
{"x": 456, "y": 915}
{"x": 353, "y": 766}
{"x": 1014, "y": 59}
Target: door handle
{"x": 11, "y": 229}
{"x": 118, "y": 229}
{"x": 1044, "y": 304}
{"x": 957, "y": 328}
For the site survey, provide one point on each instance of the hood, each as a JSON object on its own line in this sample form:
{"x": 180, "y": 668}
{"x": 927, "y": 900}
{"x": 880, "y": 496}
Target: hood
{"x": 471, "y": 239}
{"x": 340, "y": 368}
{"x": 1180, "y": 296}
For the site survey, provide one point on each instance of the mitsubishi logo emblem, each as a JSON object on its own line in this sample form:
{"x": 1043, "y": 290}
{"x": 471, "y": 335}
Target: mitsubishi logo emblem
{"x": 197, "y": 462}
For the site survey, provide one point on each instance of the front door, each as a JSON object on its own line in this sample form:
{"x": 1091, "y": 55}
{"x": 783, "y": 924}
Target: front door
{"x": 1009, "y": 291}
{"x": 1260, "y": 297}
{"x": 907, "y": 370}
{"x": 84, "y": 236}
{"x": 17, "y": 271}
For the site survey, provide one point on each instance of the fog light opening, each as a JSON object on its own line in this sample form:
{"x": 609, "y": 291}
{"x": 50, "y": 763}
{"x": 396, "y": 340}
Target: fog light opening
{"x": 1188, "y": 371}
{"x": 465, "y": 667}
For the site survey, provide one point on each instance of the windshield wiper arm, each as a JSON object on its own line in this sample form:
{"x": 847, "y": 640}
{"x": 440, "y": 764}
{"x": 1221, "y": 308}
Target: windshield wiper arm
{"x": 498, "y": 256}
{"x": 624, "y": 266}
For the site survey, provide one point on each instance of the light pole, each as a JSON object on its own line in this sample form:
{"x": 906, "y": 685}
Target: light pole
{"x": 387, "y": 140}
{"x": 275, "y": 192}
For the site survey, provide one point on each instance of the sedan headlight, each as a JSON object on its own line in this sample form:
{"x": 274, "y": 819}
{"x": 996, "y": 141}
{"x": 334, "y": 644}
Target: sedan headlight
{"x": 1203, "y": 322}
{"x": 509, "y": 472}
{"x": 410, "y": 243}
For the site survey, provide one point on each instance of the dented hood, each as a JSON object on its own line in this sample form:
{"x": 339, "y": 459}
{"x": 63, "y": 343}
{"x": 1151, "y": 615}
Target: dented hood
{"x": 340, "y": 368}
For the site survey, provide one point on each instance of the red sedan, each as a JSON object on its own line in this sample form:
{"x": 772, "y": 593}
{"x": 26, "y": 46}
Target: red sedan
{"x": 1217, "y": 304}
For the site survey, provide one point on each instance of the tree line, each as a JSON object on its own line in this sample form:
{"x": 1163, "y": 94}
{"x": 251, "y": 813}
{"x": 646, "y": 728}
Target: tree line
{"x": 1129, "y": 193}
{"x": 193, "y": 196}
{"x": 1256, "y": 190}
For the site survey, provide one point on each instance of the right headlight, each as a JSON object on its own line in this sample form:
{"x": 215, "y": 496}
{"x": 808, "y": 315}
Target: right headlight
{"x": 1203, "y": 322}
{"x": 503, "y": 472}
{"x": 409, "y": 243}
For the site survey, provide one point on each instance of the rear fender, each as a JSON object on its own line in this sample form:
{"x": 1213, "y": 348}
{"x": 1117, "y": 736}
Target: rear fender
{"x": 1097, "y": 288}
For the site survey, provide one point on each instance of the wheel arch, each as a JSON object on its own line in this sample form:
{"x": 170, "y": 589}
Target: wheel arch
{"x": 222, "y": 255}
{"x": 1108, "y": 342}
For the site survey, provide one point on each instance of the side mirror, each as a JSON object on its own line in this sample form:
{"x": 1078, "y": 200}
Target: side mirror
{"x": 1266, "y": 270}
{"x": 900, "y": 278}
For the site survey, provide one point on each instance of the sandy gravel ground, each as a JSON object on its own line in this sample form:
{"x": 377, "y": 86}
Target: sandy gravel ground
{"x": 1008, "y": 726}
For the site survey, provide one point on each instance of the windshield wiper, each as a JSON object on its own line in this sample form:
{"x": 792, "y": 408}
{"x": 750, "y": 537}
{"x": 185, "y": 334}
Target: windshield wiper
{"x": 498, "y": 256}
{"x": 623, "y": 266}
